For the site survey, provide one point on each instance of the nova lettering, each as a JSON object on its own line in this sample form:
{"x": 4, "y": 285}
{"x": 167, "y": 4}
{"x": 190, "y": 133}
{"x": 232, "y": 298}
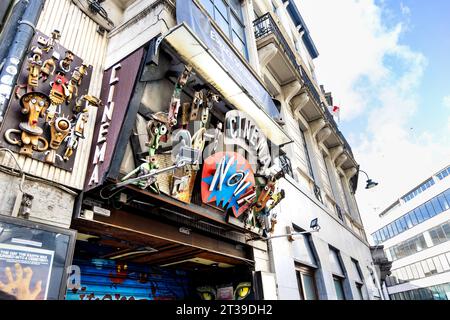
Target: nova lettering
{"x": 227, "y": 179}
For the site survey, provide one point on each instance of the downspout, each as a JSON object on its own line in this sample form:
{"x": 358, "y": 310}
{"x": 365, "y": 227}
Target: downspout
{"x": 5, "y": 7}
{"x": 10, "y": 28}
{"x": 17, "y": 51}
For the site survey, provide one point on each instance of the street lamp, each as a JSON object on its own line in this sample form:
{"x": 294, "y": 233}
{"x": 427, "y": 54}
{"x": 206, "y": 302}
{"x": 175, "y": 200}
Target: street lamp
{"x": 369, "y": 183}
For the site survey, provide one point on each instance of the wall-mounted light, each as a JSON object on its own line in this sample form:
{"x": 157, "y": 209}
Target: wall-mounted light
{"x": 314, "y": 225}
{"x": 369, "y": 183}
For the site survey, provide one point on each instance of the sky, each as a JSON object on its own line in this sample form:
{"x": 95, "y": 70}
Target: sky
{"x": 387, "y": 64}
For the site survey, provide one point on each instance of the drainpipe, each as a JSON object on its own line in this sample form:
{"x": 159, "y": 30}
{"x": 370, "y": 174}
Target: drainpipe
{"x": 17, "y": 51}
{"x": 10, "y": 28}
{"x": 5, "y": 7}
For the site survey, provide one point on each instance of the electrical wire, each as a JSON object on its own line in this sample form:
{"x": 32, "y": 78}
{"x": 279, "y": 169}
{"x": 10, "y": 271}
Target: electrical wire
{"x": 22, "y": 180}
{"x": 4, "y": 169}
{"x": 110, "y": 187}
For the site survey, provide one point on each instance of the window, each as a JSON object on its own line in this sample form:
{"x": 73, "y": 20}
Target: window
{"x": 358, "y": 276}
{"x": 437, "y": 206}
{"x": 413, "y": 218}
{"x": 444, "y": 204}
{"x": 419, "y": 215}
{"x": 390, "y": 231}
{"x": 308, "y": 158}
{"x": 399, "y": 226}
{"x": 444, "y": 173}
{"x": 302, "y": 250}
{"x": 444, "y": 262}
{"x": 394, "y": 228}
{"x": 337, "y": 270}
{"x": 438, "y": 235}
{"x": 228, "y": 16}
{"x": 430, "y": 209}
{"x": 339, "y": 286}
{"x": 426, "y": 215}
{"x": 409, "y": 223}
{"x": 359, "y": 289}
{"x": 357, "y": 273}
{"x": 306, "y": 283}
{"x": 427, "y": 184}
{"x": 335, "y": 261}
{"x": 446, "y": 228}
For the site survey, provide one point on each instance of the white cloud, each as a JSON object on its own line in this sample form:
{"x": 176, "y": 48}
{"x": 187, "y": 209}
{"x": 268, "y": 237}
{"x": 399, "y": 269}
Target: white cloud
{"x": 376, "y": 79}
{"x": 405, "y": 9}
{"x": 446, "y": 101}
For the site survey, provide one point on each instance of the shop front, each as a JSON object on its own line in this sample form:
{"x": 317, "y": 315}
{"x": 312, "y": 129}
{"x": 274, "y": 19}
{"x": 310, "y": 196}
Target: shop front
{"x": 182, "y": 178}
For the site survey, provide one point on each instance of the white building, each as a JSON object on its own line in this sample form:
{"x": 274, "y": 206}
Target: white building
{"x": 334, "y": 263}
{"x": 415, "y": 233}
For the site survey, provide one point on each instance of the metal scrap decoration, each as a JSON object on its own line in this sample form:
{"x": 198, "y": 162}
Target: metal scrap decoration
{"x": 48, "y": 113}
{"x": 228, "y": 182}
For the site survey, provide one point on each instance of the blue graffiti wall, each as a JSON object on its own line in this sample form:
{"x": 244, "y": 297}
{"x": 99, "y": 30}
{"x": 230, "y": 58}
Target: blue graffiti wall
{"x": 111, "y": 280}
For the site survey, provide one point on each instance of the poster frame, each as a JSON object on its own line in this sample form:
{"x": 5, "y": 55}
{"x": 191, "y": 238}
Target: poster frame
{"x": 53, "y": 229}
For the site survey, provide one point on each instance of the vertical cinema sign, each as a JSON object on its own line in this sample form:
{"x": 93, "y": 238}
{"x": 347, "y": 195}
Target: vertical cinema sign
{"x": 102, "y": 143}
{"x": 117, "y": 89}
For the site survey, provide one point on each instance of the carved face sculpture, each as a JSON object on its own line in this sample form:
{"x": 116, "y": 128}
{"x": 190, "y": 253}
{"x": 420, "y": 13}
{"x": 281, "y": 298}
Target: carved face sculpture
{"x": 58, "y": 91}
{"x": 79, "y": 73}
{"x": 157, "y": 127}
{"x": 34, "y": 104}
{"x": 67, "y": 61}
{"x": 59, "y": 130}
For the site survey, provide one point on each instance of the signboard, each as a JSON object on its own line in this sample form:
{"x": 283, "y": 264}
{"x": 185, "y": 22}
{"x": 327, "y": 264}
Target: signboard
{"x": 188, "y": 12}
{"x": 57, "y": 78}
{"x": 228, "y": 182}
{"x": 117, "y": 88}
{"x": 34, "y": 258}
{"x": 32, "y": 269}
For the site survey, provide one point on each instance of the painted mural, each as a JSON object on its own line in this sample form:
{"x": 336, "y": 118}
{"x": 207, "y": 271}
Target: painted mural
{"x": 111, "y": 280}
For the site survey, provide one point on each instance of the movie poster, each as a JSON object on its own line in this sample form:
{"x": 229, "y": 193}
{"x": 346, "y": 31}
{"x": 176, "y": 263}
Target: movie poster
{"x": 25, "y": 271}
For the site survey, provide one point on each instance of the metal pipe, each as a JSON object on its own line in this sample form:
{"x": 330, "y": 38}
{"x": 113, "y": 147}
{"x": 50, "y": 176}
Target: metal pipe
{"x": 10, "y": 28}
{"x": 5, "y": 7}
{"x": 17, "y": 51}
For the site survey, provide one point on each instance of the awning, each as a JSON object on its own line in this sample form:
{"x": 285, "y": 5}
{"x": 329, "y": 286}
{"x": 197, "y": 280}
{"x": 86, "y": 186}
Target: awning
{"x": 194, "y": 52}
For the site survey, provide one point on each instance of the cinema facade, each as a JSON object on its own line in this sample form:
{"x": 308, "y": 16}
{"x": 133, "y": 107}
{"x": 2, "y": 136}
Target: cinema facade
{"x": 183, "y": 171}
{"x": 188, "y": 166}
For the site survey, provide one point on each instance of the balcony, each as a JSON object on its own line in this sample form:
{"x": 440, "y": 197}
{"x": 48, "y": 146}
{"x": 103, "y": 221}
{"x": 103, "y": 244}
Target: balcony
{"x": 280, "y": 58}
{"x": 274, "y": 50}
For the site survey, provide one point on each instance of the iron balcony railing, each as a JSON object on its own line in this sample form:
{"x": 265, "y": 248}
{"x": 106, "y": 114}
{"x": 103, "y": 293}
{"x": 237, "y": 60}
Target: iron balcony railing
{"x": 264, "y": 26}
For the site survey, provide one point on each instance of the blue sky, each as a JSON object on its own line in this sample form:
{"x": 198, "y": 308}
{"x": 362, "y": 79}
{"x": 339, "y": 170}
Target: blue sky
{"x": 429, "y": 33}
{"x": 387, "y": 64}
